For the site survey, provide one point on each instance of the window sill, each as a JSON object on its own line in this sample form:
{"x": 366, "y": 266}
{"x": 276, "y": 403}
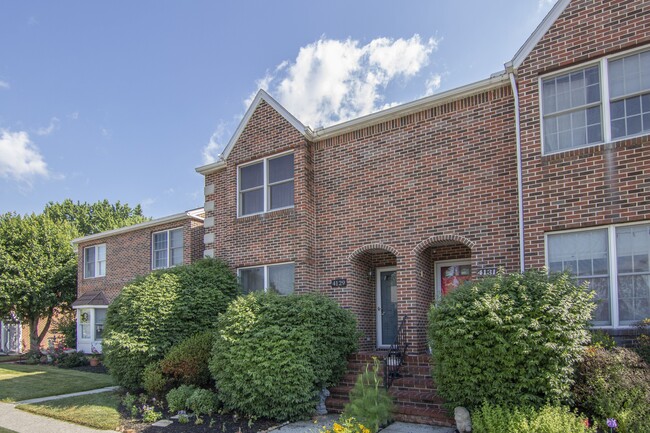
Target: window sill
{"x": 597, "y": 149}
{"x": 268, "y": 215}
{"x": 94, "y": 278}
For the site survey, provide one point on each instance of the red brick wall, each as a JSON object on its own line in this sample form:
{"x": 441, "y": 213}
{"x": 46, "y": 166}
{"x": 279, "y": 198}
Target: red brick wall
{"x": 128, "y": 255}
{"x": 603, "y": 184}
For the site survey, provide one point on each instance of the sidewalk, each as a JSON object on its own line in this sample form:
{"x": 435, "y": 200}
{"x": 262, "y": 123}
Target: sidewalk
{"x": 24, "y": 422}
{"x": 328, "y": 420}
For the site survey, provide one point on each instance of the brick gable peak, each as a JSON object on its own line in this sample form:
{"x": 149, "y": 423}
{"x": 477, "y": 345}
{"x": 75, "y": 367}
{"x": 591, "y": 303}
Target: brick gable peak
{"x": 261, "y": 96}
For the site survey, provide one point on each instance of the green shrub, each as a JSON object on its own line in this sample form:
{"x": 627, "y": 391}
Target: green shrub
{"x": 177, "y": 398}
{"x": 273, "y": 354}
{"x": 614, "y": 384}
{"x": 602, "y": 339}
{"x": 512, "y": 339}
{"x": 155, "y": 312}
{"x": 370, "y": 404}
{"x": 187, "y": 362}
{"x": 642, "y": 341}
{"x": 66, "y": 330}
{"x": 153, "y": 380}
{"x": 549, "y": 419}
{"x": 71, "y": 360}
{"x": 202, "y": 402}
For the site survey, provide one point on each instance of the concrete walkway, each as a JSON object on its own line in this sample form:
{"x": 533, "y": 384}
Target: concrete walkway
{"x": 328, "y": 420}
{"x": 25, "y": 422}
{"x": 74, "y": 394}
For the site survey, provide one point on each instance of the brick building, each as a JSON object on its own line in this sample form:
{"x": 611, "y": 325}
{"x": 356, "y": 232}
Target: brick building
{"x": 109, "y": 260}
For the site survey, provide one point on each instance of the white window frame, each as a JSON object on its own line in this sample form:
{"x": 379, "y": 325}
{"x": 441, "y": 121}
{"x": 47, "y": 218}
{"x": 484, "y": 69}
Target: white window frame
{"x": 266, "y": 273}
{"x": 613, "y": 267}
{"x": 266, "y": 186}
{"x": 97, "y": 261}
{"x": 91, "y": 322}
{"x": 603, "y": 66}
{"x": 169, "y": 248}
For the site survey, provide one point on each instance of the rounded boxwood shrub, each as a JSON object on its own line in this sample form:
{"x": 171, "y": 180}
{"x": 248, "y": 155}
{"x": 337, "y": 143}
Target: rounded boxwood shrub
{"x": 614, "y": 383}
{"x": 511, "y": 339}
{"x": 157, "y": 311}
{"x": 273, "y": 354}
{"x": 178, "y": 398}
{"x": 187, "y": 362}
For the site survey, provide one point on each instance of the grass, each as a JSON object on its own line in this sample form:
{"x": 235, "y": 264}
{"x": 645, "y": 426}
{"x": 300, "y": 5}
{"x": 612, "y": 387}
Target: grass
{"x": 10, "y": 358}
{"x": 6, "y": 430}
{"x": 23, "y": 382}
{"x": 99, "y": 411}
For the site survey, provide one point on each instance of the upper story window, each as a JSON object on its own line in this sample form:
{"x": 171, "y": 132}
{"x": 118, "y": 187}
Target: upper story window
{"x": 167, "y": 248}
{"x": 95, "y": 261}
{"x": 278, "y": 278}
{"x": 615, "y": 262}
{"x": 573, "y": 111}
{"x": 266, "y": 185}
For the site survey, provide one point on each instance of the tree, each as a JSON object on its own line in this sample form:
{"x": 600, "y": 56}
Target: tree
{"x": 38, "y": 270}
{"x": 96, "y": 217}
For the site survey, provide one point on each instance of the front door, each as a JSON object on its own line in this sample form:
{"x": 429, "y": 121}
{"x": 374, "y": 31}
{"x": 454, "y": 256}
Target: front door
{"x": 450, "y": 274}
{"x": 386, "y": 306}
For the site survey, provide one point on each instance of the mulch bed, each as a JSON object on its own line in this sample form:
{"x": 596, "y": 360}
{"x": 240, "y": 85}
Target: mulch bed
{"x": 100, "y": 369}
{"x": 226, "y": 423}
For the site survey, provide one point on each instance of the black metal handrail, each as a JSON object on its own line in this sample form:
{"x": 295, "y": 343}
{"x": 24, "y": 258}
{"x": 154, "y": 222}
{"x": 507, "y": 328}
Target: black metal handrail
{"x": 396, "y": 355}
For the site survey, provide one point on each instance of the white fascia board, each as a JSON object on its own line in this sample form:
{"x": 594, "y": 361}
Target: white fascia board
{"x": 261, "y": 96}
{"x": 537, "y": 35}
{"x": 496, "y": 80}
{"x": 164, "y": 220}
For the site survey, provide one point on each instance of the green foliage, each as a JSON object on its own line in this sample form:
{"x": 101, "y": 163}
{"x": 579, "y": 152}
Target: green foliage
{"x": 91, "y": 218}
{"x": 370, "y": 403}
{"x": 71, "y": 360}
{"x": 38, "y": 270}
{"x": 642, "y": 341}
{"x": 153, "y": 380}
{"x": 273, "y": 354}
{"x": 66, "y": 329}
{"x": 549, "y": 419}
{"x": 187, "y": 362}
{"x": 177, "y": 398}
{"x": 202, "y": 402}
{"x": 150, "y": 414}
{"x": 614, "y": 384}
{"x": 512, "y": 339}
{"x": 602, "y": 339}
{"x": 346, "y": 425}
{"x": 155, "y": 312}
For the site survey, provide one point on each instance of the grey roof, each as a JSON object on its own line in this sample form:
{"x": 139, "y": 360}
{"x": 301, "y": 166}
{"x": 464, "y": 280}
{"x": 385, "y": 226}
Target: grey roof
{"x": 94, "y": 297}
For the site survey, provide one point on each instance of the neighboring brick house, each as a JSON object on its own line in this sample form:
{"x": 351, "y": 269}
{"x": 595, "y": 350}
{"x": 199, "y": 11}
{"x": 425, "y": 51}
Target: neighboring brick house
{"x": 109, "y": 260}
{"x": 387, "y": 212}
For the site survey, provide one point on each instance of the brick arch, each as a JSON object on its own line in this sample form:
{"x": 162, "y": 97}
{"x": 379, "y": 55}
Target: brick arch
{"x": 442, "y": 239}
{"x": 369, "y": 247}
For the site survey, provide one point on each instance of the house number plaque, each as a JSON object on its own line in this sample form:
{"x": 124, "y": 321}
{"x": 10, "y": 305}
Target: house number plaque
{"x": 339, "y": 282}
{"x": 487, "y": 272}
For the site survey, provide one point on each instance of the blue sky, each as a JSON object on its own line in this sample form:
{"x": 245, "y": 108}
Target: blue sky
{"x": 122, "y": 99}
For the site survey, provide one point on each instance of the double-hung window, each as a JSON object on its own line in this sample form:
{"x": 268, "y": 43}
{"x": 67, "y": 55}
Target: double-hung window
{"x": 278, "y": 278}
{"x": 266, "y": 185}
{"x": 604, "y": 101}
{"x": 615, "y": 262}
{"x": 167, "y": 249}
{"x": 95, "y": 261}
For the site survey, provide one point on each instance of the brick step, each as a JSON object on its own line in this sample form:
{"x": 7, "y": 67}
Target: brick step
{"x": 423, "y": 414}
{"x": 405, "y": 369}
{"x": 405, "y": 395}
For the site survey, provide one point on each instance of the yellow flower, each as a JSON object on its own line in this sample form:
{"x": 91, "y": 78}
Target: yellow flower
{"x": 338, "y": 428}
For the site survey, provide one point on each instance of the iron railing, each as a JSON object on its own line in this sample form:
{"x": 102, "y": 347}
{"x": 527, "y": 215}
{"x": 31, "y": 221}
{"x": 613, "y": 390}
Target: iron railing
{"x": 396, "y": 355}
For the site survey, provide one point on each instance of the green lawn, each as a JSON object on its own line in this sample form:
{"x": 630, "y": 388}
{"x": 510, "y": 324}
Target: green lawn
{"x": 6, "y": 430}
{"x": 10, "y": 358}
{"x": 23, "y": 382}
{"x": 93, "y": 410}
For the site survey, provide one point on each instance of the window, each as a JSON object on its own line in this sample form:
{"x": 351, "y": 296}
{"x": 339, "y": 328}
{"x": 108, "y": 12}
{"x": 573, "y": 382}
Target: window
{"x": 100, "y": 318}
{"x": 84, "y": 323}
{"x": 167, "y": 249}
{"x": 266, "y": 185}
{"x": 95, "y": 261}
{"x": 91, "y": 323}
{"x": 573, "y": 112}
{"x": 614, "y": 260}
{"x": 278, "y": 278}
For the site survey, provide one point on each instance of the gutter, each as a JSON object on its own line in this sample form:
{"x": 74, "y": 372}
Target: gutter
{"x": 520, "y": 192}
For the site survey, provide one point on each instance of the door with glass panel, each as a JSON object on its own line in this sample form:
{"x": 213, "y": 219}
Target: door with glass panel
{"x": 386, "y": 306}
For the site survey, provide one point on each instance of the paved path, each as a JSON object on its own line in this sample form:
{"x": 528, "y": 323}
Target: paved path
{"x": 328, "y": 420}
{"x": 74, "y": 394}
{"x": 24, "y": 422}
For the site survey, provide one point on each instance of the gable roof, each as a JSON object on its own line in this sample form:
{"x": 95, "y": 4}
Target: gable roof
{"x": 196, "y": 214}
{"x": 261, "y": 96}
{"x": 95, "y": 297}
{"x": 538, "y": 34}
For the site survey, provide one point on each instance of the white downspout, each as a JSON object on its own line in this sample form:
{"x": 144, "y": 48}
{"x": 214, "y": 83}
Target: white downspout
{"x": 520, "y": 192}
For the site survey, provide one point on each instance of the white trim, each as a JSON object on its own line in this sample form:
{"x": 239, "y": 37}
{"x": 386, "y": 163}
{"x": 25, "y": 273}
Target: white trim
{"x": 266, "y": 272}
{"x": 378, "y": 311}
{"x": 83, "y": 261}
{"x": 437, "y": 273}
{"x": 159, "y": 221}
{"x": 612, "y": 265}
{"x": 265, "y": 187}
{"x": 169, "y": 248}
{"x": 261, "y": 96}
{"x": 538, "y": 34}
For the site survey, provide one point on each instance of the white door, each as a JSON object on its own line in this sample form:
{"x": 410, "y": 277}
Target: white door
{"x": 386, "y": 306}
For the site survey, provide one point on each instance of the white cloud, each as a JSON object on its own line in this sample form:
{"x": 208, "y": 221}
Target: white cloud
{"x": 146, "y": 203}
{"x": 54, "y": 123}
{"x": 217, "y": 143}
{"x": 433, "y": 84}
{"x": 332, "y": 81}
{"x": 4, "y": 85}
{"x": 74, "y": 115}
{"x": 20, "y": 159}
